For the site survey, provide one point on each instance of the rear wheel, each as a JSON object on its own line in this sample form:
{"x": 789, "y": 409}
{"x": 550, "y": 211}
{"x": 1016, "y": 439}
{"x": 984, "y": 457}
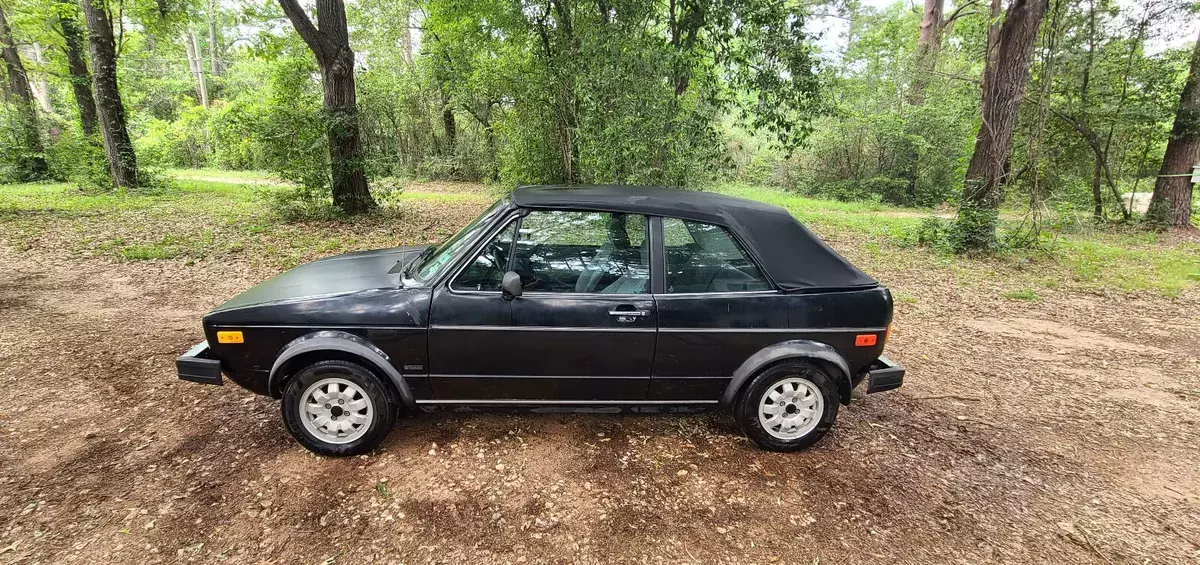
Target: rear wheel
{"x": 337, "y": 408}
{"x": 788, "y": 406}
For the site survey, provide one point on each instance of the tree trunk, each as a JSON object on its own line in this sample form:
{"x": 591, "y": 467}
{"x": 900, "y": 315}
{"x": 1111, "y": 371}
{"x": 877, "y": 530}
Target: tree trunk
{"x": 81, "y": 79}
{"x": 215, "y": 65}
{"x": 41, "y": 88}
{"x": 1171, "y": 203}
{"x": 448, "y": 125}
{"x": 929, "y": 42}
{"x": 196, "y": 62}
{"x": 1102, "y": 156}
{"x": 122, "y": 162}
{"x": 408, "y": 45}
{"x": 31, "y": 162}
{"x": 1004, "y": 85}
{"x": 331, "y": 45}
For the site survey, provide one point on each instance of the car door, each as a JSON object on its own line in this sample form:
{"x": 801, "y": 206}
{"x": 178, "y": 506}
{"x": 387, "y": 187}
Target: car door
{"x": 584, "y": 327}
{"x": 715, "y": 309}
{"x": 470, "y": 325}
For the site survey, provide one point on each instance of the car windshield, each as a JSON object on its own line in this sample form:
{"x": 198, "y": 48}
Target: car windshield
{"x": 431, "y": 261}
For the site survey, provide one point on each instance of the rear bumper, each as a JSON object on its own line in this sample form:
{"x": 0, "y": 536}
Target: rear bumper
{"x": 199, "y": 366}
{"x": 884, "y": 374}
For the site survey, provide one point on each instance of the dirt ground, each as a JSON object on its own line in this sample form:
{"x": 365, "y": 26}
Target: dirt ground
{"x": 1064, "y": 431}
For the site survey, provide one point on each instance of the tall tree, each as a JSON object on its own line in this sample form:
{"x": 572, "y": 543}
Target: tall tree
{"x": 216, "y": 65}
{"x": 929, "y": 42}
{"x": 81, "y": 79}
{"x": 330, "y": 43}
{"x": 1171, "y": 203}
{"x": 39, "y": 84}
{"x": 122, "y": 163}
{"x": 1005, "y": 78}
{"x": 31, "y": 162}
{"x": 195, "y": 59}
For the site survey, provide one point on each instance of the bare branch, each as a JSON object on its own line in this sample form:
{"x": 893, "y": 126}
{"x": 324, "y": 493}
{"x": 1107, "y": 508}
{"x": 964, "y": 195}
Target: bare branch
{"x": 320, "y": 45}
{"x": 959, "y": 12}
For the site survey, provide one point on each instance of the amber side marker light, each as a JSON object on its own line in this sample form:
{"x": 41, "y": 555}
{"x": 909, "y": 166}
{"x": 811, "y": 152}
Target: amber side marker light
{"x": 865, "y": 340}
{"x": 230, "y": 337}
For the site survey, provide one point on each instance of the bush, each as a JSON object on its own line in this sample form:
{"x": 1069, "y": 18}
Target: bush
{"x": 17, "y": 162}
{"x": 292, "y": 134}
{"x": 80, "y": 160}
{"x": 235, "y": 131}
{"x": 933, "y": 232}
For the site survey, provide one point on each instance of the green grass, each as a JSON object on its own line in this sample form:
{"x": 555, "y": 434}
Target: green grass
{"x": 1126, "y": 259}
{"x": 1024, "y": 294}
{"x": 229, "y": 216}
{"x": 256, "y": 177}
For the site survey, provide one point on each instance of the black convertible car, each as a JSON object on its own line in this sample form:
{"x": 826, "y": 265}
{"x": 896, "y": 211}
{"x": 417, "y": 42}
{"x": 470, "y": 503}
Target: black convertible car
{"x": 582, "y": 297}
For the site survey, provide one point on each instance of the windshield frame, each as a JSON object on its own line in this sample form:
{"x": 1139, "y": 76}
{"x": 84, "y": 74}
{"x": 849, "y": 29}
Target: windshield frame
{"x": 450, "y": 250}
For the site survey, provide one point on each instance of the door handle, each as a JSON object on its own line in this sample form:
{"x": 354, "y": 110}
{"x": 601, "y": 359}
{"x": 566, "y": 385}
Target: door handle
{"x": 628, "y": 315}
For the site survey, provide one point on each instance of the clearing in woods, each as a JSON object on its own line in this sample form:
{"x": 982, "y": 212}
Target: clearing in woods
{"x": 1050, "y": 414}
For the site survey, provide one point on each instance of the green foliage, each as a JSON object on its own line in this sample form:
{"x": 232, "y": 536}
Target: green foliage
{"x": 1023, "y": 294}
{"x": 933, "y": 232}
{"x": 80, "y": 160}
{"x": 293, "y": 128}
{"x": 567, "y": 93}
{"x": 18, "y": 161}
{"x": 688, "y": 93}
{"x": 878, "y": 143}
{"x": 183, "y": 142}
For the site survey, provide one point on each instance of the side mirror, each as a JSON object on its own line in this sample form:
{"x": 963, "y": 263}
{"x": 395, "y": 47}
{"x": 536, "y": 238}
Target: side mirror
{"x": 511, "y": 284}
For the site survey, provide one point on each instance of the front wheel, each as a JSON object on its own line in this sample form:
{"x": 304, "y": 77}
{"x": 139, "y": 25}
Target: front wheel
{"x": 788, "y": 406}
{"x": 337, "y": 408}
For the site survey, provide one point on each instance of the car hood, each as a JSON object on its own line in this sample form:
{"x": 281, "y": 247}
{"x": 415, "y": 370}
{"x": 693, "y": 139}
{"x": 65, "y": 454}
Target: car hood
{"x": 340, "y": 274}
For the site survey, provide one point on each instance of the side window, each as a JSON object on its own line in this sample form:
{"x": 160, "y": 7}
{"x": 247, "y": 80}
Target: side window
{"x": 487, "y": 269}
{"x": 583, "y": 252}
{"x": 706, "y": 258}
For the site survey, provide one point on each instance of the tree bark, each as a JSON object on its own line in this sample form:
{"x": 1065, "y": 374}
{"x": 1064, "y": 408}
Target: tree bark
{"x": 41, "y": 88}
{"x": 122, "y": 163}
{"x": 330, "y": 43}
{"x": 1004, "y": 85}
{"x": 407, "y": 39}
{"x": 448, "y": 124}
{"x": 929, "y": 42}
{"x": 81, "y": 79}
{"x": 216, "y": 65}
{"x": 1171, "y": 203}
{"x": 196, "y": 63}
{"x": 31, "y": 162}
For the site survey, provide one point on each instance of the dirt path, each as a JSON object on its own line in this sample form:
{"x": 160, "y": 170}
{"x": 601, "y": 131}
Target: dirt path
{"x": 1061, "y": 432}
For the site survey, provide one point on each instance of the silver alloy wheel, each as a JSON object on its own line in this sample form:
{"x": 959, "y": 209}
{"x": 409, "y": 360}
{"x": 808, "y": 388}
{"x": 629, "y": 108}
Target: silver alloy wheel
{"x": 335, "y": 410}
{"x": 791, "y": 408}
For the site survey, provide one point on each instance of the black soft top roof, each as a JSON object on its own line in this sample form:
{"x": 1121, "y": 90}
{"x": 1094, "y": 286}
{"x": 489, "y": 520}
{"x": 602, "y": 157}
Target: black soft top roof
{"x": 793, "y": 257}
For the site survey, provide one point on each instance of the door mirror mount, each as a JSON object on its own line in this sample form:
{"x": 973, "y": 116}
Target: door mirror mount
{"x": 511, "y": 285}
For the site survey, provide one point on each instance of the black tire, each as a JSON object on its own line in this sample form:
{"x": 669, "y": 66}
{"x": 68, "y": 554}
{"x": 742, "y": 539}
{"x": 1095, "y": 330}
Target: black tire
{"x": 382, "y": 403}
{"x": 745, "y": 409}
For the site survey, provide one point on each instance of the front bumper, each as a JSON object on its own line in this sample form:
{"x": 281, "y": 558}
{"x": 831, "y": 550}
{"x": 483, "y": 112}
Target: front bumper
{"x": 884, "y": 374}
{"x": 199, "y": 366}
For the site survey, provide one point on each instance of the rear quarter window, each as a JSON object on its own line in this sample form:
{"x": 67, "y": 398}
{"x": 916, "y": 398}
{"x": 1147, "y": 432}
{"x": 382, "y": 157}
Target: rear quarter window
{"x": 706, "y": 258}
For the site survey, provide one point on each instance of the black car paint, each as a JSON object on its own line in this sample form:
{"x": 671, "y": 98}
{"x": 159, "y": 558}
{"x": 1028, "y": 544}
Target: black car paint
{"x": 478, "y": 347}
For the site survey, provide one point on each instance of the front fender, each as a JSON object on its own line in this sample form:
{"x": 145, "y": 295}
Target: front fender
{"x": 346, "y": 343}
{"x": 792, "y": 349}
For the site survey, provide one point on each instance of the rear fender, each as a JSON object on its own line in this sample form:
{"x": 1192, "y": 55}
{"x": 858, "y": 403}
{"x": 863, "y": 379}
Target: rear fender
{"x": 338, "y": 343}
{"x": 797, "y": 349}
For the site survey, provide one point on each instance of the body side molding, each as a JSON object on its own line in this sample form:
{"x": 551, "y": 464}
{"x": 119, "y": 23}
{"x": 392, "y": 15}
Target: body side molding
{"x": 791, "y": 349}
{"x": 331, "y": 340}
